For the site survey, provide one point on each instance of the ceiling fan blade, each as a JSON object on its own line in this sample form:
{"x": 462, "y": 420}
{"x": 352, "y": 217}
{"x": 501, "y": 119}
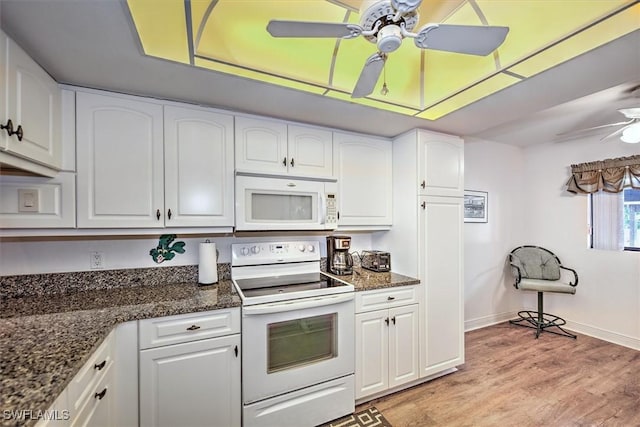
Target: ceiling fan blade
{"x": 369, "y": 76}
{"x": 312, "y": 29}
{"x": 470, "y": 39}
{"x": 617, "y": 132}
{"x": 585, "y": 130}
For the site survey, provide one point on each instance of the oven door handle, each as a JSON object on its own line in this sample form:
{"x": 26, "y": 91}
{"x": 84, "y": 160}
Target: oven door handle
{"x": 280, "y": 307}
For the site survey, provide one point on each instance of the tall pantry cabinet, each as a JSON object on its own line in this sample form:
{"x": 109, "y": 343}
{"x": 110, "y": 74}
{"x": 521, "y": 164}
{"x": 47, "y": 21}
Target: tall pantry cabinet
{"x": 427, "y": 239}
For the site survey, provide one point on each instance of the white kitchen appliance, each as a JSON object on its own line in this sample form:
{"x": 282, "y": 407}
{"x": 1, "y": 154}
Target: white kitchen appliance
{"x": 273, "y": 203}
{"x": 297, "y": 335}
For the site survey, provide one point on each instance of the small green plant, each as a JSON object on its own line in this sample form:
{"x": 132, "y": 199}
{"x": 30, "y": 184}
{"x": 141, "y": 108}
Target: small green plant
{"x": 165, "y": 250}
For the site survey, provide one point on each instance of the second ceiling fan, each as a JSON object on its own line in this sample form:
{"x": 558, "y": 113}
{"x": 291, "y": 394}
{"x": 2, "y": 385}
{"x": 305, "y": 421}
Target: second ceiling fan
{"x": 386, "y": 23}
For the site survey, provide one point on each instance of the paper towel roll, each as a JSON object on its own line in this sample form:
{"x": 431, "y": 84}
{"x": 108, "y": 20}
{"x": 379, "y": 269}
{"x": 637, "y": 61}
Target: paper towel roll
{"x": 208, "y": 264}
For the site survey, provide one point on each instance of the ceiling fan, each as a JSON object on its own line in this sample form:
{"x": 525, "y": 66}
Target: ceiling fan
{"x": 629, "y": 130}
{"x": 386, "y": 23}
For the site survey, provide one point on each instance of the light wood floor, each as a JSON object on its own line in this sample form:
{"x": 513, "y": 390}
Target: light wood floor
{"x": 512, "y": 379}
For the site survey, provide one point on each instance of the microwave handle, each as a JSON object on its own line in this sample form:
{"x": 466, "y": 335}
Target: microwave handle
{"x": 323, "y": 209}
{"x": 279, "y": 307}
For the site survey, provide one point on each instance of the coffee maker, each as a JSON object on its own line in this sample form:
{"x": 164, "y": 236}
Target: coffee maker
{"x": 339, "y": 260}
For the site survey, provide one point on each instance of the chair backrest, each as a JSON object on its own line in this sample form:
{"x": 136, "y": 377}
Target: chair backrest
{"x": 536, "y": 263}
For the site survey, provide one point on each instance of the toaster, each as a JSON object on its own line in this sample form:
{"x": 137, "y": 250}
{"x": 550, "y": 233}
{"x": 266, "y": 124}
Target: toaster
{"x": 376, "y": 260}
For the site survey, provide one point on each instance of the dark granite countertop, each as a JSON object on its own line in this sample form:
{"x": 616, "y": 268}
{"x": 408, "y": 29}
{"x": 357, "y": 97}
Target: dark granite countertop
{"x": 45, "y": 340}
{"x": 367, "y": 280}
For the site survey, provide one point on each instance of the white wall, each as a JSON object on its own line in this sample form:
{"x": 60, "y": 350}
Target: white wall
{"x": 528, "y": 204}
{"x": 49, "y": 255}
{"x": 489, "y": 293}
{"x": 607, "y": 301}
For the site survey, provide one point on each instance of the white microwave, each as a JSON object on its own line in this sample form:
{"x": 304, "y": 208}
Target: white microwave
{"x": 275, "y": 203}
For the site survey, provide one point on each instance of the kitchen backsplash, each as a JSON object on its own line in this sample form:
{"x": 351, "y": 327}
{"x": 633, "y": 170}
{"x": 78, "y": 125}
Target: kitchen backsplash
{"x": 64, "y": 283}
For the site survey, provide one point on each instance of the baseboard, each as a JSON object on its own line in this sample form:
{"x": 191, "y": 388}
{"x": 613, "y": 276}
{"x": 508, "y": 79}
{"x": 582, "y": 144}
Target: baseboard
{"x": 603, "y": 334}
{"x": 492, "y": 319}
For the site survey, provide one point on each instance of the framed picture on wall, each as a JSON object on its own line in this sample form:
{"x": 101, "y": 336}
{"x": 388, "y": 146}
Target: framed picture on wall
{"x": 476, "y": 206}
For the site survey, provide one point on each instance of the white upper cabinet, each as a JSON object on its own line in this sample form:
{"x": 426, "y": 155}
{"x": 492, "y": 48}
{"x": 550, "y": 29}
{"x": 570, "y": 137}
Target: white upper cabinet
{"x": 310, "y": 151}
{"x": 31, "y": 100}
{"x": 272, "y": 147}
{"x": 441, "y": 164}
{"x": 120, "y": 162}
{"x": 364, "y": 170}
{"x": 198, "y": 158}
{"x": 261, "y": 145}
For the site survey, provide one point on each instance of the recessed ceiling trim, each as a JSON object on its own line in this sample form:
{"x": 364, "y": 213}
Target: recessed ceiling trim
{"x": 205, "y": 18}
{"x": 334, "y": 56}
{"x": 189, "y": 25}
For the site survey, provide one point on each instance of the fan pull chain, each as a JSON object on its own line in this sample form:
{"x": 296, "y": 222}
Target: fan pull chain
{"x": 385, "y": 89}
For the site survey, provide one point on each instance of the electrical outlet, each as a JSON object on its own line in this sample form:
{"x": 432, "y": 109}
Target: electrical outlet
{"x": 96, "y": 260}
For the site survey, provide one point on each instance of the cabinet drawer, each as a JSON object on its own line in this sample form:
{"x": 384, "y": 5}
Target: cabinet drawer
{"x": 386, "y": 298}
{"x": 97, "y": 408}
{"x": 188, "y": 327}
{"x": 83, "y": 384}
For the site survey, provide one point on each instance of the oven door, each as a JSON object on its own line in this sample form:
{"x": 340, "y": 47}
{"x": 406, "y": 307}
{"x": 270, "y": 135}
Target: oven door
{"x": 290, "y": 345}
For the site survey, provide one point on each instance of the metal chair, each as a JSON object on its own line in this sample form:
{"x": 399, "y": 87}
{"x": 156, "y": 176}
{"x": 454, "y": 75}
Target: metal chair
{"x": 538, "y": 269}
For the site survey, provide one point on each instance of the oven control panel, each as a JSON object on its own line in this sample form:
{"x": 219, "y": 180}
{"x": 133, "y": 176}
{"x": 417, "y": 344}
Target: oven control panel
{"x": 274, "y": 252}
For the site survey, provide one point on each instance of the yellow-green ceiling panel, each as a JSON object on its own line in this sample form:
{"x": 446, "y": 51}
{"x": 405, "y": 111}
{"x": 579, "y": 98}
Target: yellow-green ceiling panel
{"x": 165, "y": 34}
{"x": 230, "y": 36}
{"x": 476, "y": 92}
{"x": 537, "y": 23}
{"x": 256, "y": 75}
{"x": 235, "y": 36}
{"x": 618, "y": 25}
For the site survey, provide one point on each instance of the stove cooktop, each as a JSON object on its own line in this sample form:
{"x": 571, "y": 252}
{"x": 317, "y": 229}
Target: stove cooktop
{"x": 293, "y": 286}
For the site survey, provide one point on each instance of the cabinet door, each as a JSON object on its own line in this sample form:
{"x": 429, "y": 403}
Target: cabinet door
{"x": 4, "y": 113}
{"x": 310, "y": 151}
{"x": 261, "y": 145}
{"x": 441, "y": 165}
{"x": 120, "y": 162}
{"x": 34, "y": 102}
{"x": 191, "y": 384}
{"x": 372, "y": 352}
{"x": 404, "y": 349}
{"x": 198, "y": 171}
{"x": 364, "y": 180}
{"x": 98, "y": 408}
{"x": 441, "y": 249}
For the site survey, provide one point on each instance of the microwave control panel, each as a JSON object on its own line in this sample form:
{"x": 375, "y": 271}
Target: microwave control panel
{"x": 332, "y": 209}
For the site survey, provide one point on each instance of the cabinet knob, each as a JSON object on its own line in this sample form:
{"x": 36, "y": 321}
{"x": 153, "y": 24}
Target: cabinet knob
{"x": 424, "y": 205}
{"x": 424, "y": 184}
{"x": 292, "y": 163}
{"x": 193, "y": 328}
{"x": 8, "y": 127}
{"x": 158, "y": 214}
{"x": 284, "y": 162}
{"x": 100, "y": 395}
{"x": 99, "y": 366}
{"x": 169, "y": 213}
{"x": 19, "y": 133}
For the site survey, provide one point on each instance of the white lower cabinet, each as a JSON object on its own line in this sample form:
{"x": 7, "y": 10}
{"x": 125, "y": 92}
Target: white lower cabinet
{"x": 195, "y": 382}
{"x": 387, "y": 342}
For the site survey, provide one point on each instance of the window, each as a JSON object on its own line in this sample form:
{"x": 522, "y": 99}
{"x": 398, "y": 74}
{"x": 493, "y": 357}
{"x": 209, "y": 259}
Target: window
{"x": 631, "y": 220}
{"x": 615, "y": 220}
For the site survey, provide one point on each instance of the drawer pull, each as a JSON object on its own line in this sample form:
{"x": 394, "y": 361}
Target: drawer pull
{"x": 100, "y": 395}
{"x": 99, "y": 366}
{"x": 193, "y": 328}
{"x": 390, "y": 298}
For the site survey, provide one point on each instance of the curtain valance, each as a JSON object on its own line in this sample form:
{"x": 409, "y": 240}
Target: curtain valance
{"x": 610, "y": 175}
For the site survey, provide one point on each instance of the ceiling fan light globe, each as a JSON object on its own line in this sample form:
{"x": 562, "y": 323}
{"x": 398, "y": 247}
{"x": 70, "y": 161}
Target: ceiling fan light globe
{"x": 389, "y": 38}
{"x": 631, "y": 135}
